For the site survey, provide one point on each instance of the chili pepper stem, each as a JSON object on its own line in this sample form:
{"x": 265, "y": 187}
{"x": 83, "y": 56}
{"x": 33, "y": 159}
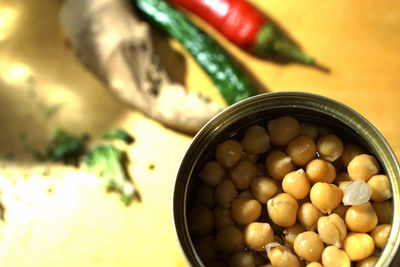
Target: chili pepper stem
{"x": 270, "y": 40}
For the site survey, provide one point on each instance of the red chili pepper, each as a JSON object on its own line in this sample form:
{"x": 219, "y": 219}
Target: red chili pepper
{"x": 245, "y": 26}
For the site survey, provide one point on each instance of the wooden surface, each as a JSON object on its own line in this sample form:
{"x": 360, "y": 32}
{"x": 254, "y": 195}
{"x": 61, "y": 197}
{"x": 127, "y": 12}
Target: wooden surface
{"x": 77, "y": 223}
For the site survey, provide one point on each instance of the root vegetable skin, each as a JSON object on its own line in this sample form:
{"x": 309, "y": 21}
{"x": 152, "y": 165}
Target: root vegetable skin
{"x": 111, "y": 41}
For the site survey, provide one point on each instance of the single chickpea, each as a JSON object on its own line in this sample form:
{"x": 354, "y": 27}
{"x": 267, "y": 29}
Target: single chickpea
{"x": 283, "y": 129}
{"x": 222, "y": 217}
{"x": 332, "y": 230}
{"x": 296, "y": 184}
{"x": 380, "y": 235}
{"x": 342, "y": 177}
{"x": 319, "y": 170}
{"x": 256, "y": 140}
{"x": 242, "y": 259}
{"x": 302, "y": 149}
{"x": 309, "y": 130}
{"x": 290, "y": 234}
{"x": 361, "y": 218}
{"x": 282, "y": 209}
{"x": 330, "y": 147}
{"x": 263, "y": 189}
{"x": 225, "y": 192}
{"x": 309, "y": 246}
{"x": 205, "y": 196}
{"x": 341, "y": 210}
{"x": 325, "y": 196}
{"x": 245, "y": 211}
{"x": 314, "y": 264}
{"x": 278, "y": 164}
{"x": 308, "y": 216}
{"x": 249, "y": 157}
{"x": 384, "y": 211}
{"x": 257, "y": 235}
{"x": 206, "y": 248}
{"x": 358, "y": 246}
{"x": 350, "y": 150}
{"x": 342, "y": 186}
{"x": 242, "y": 174}
{"x": 380, "y": 187}
{"x": 246, "y": 194}
{"x": 362, "y": 167}
{"x": 212, "y": 173}
{"x": 368, "y": 262}
{"x": 282, "y": 256}
{"x": 200, "y": 220}
{"x": 229, "y": 239}
{"x": 333, "y": 256}
{"x": 228, "y": 153}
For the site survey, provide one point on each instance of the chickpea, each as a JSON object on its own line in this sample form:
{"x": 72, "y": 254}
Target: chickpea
{"x": 245, "y": 211}
{"x": 242, "y": 259}
{"x": 206, "y": 248}
{"x": 278, "y": 164}
{"x": 309, "y": 130}
{"x": 225, "y": 192}
{"x": 368, "y": 262}
{"x": 249, "y": 157}
{"x": 362, "y": 167}
{"x": 256, "y": 140}
{"x": 342, "y": 177}
{"x": 319, "y": 170}
{"x": 330, "y": 147}
{"x": 296, "y": 184}
{"x": 384, "y": 211}
{"x": 200, "y": 220}
{"x": 205, "y": 196}
{"x": 341, "y": 210}
{"x": 222, "y": 217}
{"x": 229, "y": 239}
{"x": 246, "y": 194}
{"x": 282, "y": 209}
{"x": 283, "y": 129}
{"x": 290, "y": 234}
{"x": 350, "y": 150}
{"x": 228, "y": 153}
{"x": 361, "y": 218}
{"x": 380, "y": 235}
{"x": 308, "y": 215}
{"x": 263, "y": 189}
{"x": 309, "y": 246}
{"x": 257, "y": 235}
{"x": 212, "y": 173}
{"x": 333, "y": 256}
{"x": 314, "y": 264}
{"x": 282, "y": 256}
{"x": 380, "y": 187}
{"x": 242, "y": 174}
{"x": 324, "y": 131}
{"x": 332, "y": 230}
{"x": 302, "y": 149}
{"x": 325, "y": 196}
{"x": 358, "y": 246}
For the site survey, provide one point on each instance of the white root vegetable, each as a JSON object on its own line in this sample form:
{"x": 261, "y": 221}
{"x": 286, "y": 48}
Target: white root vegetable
{"x": 111, "y": 41}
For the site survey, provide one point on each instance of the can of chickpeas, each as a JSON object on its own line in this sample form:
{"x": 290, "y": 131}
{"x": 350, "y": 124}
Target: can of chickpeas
{"x": 288, "y": 179}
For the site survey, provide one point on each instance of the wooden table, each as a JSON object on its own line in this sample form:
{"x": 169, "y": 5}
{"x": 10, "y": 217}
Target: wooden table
{"x": 59, "y": 216}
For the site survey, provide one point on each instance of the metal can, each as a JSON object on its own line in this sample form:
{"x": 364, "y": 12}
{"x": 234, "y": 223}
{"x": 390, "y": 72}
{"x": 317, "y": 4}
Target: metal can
{"x": 259, "y": 109}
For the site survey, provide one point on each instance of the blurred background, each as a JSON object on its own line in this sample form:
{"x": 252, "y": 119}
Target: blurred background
{"x": 57, "y": 215}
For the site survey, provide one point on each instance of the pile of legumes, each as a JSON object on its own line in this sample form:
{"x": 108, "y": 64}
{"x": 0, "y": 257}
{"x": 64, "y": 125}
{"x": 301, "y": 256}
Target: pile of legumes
{"x": 290, "y": 194}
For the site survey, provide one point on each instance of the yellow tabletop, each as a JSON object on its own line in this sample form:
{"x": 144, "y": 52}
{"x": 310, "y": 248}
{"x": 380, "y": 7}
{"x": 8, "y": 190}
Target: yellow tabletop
{"x": 59, "y": 216}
